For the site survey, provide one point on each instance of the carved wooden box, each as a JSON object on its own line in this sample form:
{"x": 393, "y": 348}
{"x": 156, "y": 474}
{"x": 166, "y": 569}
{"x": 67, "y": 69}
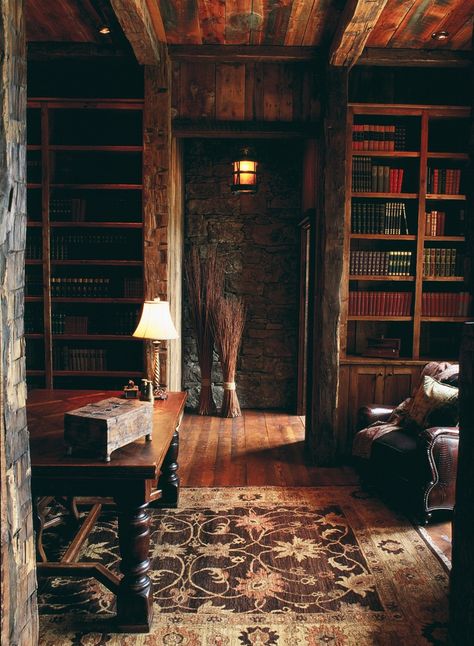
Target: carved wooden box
{"x": 101, "y": 427}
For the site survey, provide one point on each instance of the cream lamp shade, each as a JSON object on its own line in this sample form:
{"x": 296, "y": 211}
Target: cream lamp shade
{"x": 155, "y": 322}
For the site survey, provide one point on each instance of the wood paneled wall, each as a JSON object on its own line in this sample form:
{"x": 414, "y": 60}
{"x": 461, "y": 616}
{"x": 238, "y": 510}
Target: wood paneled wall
{"x": 19, "y": 620}
{"x": 245, "y": 91}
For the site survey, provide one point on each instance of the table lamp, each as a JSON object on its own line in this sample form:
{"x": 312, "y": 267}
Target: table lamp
{"x": 156, "y": 324}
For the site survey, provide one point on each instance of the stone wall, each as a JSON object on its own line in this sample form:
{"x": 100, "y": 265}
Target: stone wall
{"x": 257, "y": 240}
{"x": 19, "y": 624}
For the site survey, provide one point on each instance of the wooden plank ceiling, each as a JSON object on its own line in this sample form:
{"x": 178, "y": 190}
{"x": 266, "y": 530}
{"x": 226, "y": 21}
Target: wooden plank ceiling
{"x": 402, "y": 23}
{"x": 410, "y": 24}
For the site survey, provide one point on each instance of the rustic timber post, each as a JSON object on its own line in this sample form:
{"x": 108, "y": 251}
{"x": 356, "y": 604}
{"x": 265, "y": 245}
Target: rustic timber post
{"x": 143, "y": 27}
{"x": 156, "y": 167}
{"x": 462, "y": 575}
{"x": 19, "y": 617}
{"x": 327, "y": 273}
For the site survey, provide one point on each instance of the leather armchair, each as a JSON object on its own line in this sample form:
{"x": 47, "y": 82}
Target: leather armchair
{"x": 418, "y": 469}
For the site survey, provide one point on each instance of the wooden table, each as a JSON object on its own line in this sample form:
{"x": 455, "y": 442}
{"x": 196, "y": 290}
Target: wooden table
{"x": 137, "y": 475}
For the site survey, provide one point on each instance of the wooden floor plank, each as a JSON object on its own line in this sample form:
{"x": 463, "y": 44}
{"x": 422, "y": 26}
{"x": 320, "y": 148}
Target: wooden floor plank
{"x": 262, "y": 448}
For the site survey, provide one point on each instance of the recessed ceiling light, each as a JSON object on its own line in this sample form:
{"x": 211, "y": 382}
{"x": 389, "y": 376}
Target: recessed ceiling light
{"x": 104, "y": 30}
{"x": 440, "y": 35}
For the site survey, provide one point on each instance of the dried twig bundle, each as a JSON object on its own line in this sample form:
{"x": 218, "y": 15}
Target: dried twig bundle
{"x": 228, "y": 319}
{"x": 204, "y": 282}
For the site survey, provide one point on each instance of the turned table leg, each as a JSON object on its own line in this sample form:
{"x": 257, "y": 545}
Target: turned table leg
{"x": 168, "y": 481}
{"x": 134, "y": 598}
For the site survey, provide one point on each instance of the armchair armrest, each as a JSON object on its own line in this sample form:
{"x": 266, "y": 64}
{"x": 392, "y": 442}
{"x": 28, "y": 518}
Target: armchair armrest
{"x": 367, "y": 415}
{"x": 429, "y": 435}
{"x": 440, "y": 445}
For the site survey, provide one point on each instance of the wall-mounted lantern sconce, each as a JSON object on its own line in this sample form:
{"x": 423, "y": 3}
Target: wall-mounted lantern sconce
{"x": 244, "y": 172}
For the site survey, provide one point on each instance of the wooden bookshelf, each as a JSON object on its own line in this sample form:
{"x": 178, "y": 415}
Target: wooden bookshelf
{"x": 430, "y": 138}
{"x": 85, "y": 270}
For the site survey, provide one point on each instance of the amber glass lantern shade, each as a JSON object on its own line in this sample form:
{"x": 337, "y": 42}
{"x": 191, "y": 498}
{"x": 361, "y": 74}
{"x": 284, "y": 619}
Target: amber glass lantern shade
{"x": 244, "y": 173}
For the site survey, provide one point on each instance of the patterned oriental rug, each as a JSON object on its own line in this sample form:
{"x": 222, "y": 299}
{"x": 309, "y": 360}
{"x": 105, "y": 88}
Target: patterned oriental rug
{"x": 263, "y": 567}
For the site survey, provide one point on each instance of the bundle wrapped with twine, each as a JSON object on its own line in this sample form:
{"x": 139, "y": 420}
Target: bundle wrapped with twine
{"x": 204, "y": 281}
{"x": 228, "y": 319}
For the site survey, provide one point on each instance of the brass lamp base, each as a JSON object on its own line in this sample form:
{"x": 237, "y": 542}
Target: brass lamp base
{"x": 159, "y": 392}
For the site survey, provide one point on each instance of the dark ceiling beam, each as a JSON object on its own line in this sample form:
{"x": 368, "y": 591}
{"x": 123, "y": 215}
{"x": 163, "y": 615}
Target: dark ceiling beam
{"x": 355, "y": 24}
{"x": 238, "y": 53}
{"x": 42, "y": 51}
{"x": 139, "y": 29}
{"x": 382, "y": 57}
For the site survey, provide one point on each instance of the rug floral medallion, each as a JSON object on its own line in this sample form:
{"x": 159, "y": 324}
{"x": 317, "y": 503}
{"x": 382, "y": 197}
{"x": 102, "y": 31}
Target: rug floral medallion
{"x": 262, "y": 567}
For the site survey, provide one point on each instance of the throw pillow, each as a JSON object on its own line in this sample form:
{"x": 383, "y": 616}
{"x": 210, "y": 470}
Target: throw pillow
{"x": 433, "y": 396}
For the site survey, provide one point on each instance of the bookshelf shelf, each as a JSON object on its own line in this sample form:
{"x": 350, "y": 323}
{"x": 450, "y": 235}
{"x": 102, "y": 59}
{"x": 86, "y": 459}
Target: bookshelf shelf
{"x": 458, "y": 156}
{"x": 444, "y": 197}
{"x": 395, "y": 154}
{"x": 381, "y": 236}
{"x": 444, "y": 238}
{"x": 94, "y": 337}
{"x": 398, "y": 196}
{"x": 86, "y": 222}
{"x": 97, "y": 373}
{"x": 379, "y": 318}
{"x": 383, "y": 278}
{"x": 97, "y": 187}
{"x": 87, "y": 299}
{"x": 445, "y": 319}
{"x": 98, "y": 263}
{"x": 443, "y": 279}
{"x": 98, "y": 148}
{"x": 94, "y": 225}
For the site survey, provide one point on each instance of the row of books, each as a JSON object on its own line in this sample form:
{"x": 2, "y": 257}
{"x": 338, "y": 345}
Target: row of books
{"x": 33, "y": 249}
{"x": 370, "y": 136}
{"x": 384, "y": 218}
{"x": 71, "y": 208}
{"x": 380, "y": 303}
{"x": 79, "y": 359}
{"x": 74, "y": 246}
{"x": 104, "y": 206}
{"x": 68, "y": 324}
{"x": 446, "y": 304}
{"x": 77, "y": 287}
{"x": 435, "y": 222}
{"x": 380, "y": 263}
{"x": 440, "y": 261}
{"x": 80, "y": 287}
{"x": 32, "y": 321}
{"x": 445, "y": 181}
{"x": 118, "y": 321}
{"x": 375, "y": 178}
{"x": 34, "y": 355}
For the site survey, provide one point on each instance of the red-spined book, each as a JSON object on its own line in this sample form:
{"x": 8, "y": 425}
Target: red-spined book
{"x": 383, "y": 303}
{"x": 392, "y": 181}
{"x": 449, "y": 181}
{"x": 399, "y": 180}
{"x": 457, "y": 181}
{"x": 435, "y": 180}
